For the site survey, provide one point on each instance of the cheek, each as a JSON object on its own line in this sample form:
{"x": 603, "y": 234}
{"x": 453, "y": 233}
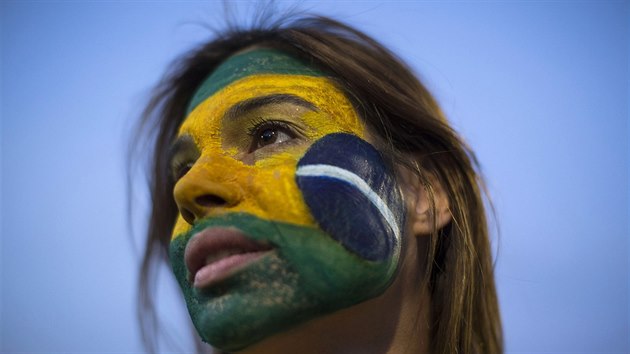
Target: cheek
{"x": 353, "y": 196}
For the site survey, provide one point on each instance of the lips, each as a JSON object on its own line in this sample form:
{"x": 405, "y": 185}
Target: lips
{"x": 216, "y": 254}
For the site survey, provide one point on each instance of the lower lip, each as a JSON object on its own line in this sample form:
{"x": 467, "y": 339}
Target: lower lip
{"x": 224, "y": 268}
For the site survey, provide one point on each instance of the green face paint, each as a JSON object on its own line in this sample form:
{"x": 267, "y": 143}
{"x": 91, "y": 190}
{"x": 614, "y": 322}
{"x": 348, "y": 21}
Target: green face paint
{"x": 306, "y": 275}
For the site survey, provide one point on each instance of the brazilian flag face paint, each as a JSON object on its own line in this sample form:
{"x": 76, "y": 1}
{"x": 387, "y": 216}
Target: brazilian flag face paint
{"x": 310, "y": 216}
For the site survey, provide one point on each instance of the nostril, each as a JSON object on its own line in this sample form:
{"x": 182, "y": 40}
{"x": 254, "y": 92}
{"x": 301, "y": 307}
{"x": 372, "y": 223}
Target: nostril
{"x": 188, "y": 216}
{"x": 209, "y": 200}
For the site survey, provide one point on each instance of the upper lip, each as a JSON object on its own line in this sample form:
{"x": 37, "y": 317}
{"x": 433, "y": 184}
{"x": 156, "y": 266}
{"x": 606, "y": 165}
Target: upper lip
{"x": 215, "y": 243}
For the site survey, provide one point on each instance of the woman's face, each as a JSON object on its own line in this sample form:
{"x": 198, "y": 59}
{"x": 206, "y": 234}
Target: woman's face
{"x": 287, "y": 212}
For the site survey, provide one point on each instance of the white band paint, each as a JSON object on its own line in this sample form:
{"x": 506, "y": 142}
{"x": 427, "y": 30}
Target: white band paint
{"x": 356, "y": 181}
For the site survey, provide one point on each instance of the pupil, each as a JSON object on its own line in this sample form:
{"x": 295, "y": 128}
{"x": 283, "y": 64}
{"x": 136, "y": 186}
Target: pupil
{"x": 268, "y": 135}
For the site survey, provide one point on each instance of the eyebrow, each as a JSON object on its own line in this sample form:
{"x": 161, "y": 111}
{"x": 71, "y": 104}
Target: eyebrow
{"x": 249, "y": 105}
{"x": 186, "y": 143}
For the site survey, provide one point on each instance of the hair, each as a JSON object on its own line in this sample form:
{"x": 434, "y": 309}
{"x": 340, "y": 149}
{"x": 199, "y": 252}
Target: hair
{"x": 398, "y": 109}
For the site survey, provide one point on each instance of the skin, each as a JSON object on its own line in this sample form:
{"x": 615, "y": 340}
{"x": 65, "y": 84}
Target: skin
{"x": 257, "y": 178}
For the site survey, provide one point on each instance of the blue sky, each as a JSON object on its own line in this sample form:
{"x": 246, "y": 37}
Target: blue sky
{"x": 539, "y": 89}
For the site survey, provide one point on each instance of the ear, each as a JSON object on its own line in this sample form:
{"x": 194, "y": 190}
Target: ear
{"x": 418, "y": 202}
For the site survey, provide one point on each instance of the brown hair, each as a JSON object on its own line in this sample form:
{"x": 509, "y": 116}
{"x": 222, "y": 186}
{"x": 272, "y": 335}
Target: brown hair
{"x": 395, "y": 106}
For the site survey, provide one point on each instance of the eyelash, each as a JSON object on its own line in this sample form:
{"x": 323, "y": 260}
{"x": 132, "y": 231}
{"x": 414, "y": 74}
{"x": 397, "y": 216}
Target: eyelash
{"x": 181, "y": 164}
{"x": 180, "y": 168}
{"x": 261, "y": 124}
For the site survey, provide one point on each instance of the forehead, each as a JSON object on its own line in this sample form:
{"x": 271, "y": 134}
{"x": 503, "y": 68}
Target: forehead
{"x": 253, "y": 62}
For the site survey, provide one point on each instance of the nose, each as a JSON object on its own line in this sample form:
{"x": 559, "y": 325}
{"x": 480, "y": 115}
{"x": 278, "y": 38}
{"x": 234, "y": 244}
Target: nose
{"x": 197, "y": 196}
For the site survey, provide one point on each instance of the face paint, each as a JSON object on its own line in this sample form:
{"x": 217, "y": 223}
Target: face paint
{"x": 311, "y": 222}
{"x": 353, "y": 196}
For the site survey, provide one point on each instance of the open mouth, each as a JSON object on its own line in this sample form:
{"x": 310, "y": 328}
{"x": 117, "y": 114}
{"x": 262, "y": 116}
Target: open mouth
{"x": 217, "y": 253}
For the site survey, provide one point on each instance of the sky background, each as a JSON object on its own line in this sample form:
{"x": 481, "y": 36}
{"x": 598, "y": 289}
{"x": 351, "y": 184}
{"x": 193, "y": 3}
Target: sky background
{"x": 539, "y": 89}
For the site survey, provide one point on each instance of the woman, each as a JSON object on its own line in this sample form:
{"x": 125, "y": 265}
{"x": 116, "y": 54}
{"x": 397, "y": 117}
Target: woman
{"x": 312, "y": 198}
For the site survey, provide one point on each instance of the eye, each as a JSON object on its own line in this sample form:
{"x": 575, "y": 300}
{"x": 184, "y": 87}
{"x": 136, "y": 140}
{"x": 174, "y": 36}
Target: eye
{"x": 267, "y": 133}
{"x": 182, "y": 156}
{"x": 179, "y": 169}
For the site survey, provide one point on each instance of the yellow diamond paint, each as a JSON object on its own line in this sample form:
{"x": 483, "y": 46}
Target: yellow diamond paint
{"x": 265, "y": 188}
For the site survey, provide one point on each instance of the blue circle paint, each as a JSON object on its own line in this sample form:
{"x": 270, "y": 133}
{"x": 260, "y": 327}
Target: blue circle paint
{"x": 353, "y": 195}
